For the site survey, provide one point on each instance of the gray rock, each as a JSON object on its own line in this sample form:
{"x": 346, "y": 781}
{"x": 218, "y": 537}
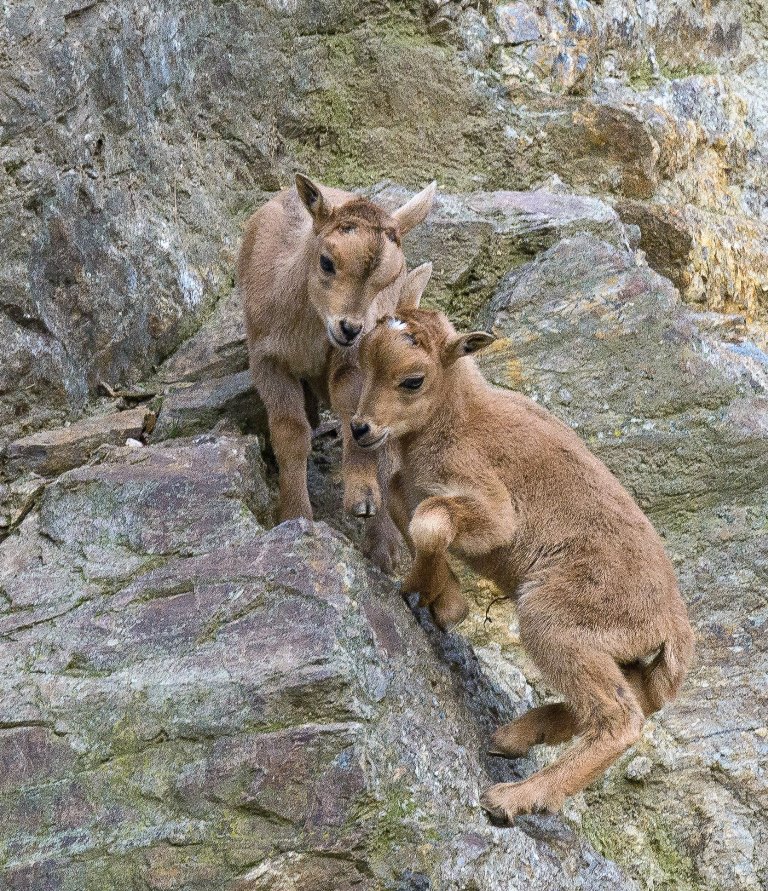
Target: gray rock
{"x": 216, "y": 350}
{"x": 200, "y": 406}
{"x": 638, "y": 768}
{"x": 99, "y": 525}
{"x": 51, "y": 452}
{"x": 518, "y": 22}
{"x": 473, "y": 239}
{"x": 201, "y": 704}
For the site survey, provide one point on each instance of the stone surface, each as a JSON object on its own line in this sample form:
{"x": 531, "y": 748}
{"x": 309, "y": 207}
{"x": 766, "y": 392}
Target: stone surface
{"x": 51, "y": 452}
{"x": 134, "y": 141}
{"x": 518, "y": 23}
{"x": 472, "y": 239}
{"x": 197, "y": 703}
{"x": 201, "y": 405}
{"x": 216, "y": 350}
{"x": 667, "y": 110}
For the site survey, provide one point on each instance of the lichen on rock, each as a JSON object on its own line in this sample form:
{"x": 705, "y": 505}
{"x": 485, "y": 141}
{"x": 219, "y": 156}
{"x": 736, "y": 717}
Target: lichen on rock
{"x": 193, "y": 699}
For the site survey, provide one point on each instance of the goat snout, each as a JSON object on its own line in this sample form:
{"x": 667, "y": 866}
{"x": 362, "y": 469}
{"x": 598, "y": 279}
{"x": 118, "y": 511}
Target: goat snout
{"x": 349, "y": 329}
{"x": 344, "y": 332}
{"x": 359, "y": 429}
{"x": 367, "y": 436}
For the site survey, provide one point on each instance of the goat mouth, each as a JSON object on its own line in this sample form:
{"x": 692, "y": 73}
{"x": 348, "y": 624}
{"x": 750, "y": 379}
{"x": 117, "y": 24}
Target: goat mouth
{"x": 374, "y": 443}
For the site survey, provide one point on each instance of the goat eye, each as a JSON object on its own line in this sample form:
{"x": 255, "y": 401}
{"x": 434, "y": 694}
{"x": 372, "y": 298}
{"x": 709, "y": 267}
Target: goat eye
{"x": 412, "y": 383}
{"x": 326, "y": 264}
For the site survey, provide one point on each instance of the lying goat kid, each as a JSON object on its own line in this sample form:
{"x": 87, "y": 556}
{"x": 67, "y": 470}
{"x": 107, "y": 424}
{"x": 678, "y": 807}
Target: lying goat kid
{"x": 495, "y": 479}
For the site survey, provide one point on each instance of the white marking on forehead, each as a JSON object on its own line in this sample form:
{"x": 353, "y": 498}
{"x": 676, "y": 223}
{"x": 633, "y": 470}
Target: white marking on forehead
{"x": 397, "y": 324}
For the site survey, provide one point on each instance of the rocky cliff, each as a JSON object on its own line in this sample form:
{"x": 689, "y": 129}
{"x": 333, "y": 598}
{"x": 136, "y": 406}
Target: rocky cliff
{"x": 196, "y": 700}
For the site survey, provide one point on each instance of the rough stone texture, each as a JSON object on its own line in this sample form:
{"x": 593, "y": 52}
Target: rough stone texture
{"x": 200, "y": 406}
{"x": 135, "y": 141}
{"x": 665, "y": 110}
{"x": 194, "y": 703}
{"x": 51, "y": 452}
{"x": 141, "y": 597}
{"x": 473, "y": 239}
{"x": 217, "y": 349}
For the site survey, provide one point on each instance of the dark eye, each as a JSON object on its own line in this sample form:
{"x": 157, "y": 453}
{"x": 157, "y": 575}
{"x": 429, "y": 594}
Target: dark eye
{"x": 326, "y": 264}
{"x": 412, "y": 383}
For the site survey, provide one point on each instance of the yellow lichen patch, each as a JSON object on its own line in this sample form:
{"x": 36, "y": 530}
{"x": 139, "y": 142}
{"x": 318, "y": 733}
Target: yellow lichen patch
{"x": 515, "y": 372}
{"x": 492, "y": 617}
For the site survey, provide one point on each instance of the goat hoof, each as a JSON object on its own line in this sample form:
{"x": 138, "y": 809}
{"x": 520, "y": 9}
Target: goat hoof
{"x": 504, "y": 745}
{"x": 380, "y": 554}
{"x": 505, "y": 801}
{"x": 495, "y": 809}
{"x": 448, "y": 612}
{"x": 365, "y": 508}
{"x": 362, "y": 501}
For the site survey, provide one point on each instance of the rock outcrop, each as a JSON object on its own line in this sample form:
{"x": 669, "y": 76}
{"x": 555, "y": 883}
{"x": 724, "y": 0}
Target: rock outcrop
{"x": 193, "y": 702}
{"x": 135, "y": 141}
{"x": 194, "y": 699}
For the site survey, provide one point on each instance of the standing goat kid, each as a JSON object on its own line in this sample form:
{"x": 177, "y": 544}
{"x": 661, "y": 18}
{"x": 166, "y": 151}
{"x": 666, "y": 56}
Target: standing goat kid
{"x": 316, "y": 268}
{"x": 496, "y": 480}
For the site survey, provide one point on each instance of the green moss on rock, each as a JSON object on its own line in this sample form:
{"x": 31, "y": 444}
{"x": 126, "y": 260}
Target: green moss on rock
{"x": 640, "y": 840}
{"x": 396, "y": 104}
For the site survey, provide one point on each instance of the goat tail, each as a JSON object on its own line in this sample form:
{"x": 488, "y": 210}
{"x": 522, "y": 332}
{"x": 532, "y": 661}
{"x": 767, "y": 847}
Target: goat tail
{"x": 664, "y": 674}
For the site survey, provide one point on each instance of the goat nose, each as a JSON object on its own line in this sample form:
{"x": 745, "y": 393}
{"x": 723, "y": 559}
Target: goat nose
{"x": 359, "y": 430}
{"x": 350, "y": 330}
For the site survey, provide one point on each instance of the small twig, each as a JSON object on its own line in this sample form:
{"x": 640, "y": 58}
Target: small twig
{"x": 131, "y": 395}
{"x": 488, "y": 618}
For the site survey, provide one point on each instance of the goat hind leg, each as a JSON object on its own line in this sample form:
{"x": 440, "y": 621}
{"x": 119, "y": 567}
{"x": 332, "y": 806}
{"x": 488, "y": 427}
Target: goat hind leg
{"x": 607, "y": 710}
{"x": 548, "y": 724}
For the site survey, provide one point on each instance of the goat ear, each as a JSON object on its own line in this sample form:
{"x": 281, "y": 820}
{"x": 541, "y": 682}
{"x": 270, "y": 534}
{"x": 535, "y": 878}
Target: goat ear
{"x": 465, "y": 345}
{"x": 312, "y": 198}
{"x": 415, "y": 211}
{"x": 413, "y": 286}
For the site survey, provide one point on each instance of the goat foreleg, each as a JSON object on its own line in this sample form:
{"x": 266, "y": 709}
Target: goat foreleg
{"x": 470, "y": 524}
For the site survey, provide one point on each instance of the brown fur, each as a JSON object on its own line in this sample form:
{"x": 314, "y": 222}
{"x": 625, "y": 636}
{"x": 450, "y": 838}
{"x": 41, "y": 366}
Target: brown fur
{"x": 295, "y": 313}
{"x": 493, "y": 478}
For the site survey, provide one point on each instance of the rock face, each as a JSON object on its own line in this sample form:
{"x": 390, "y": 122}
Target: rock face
{"x": 193, "y": 699}
{"x": 192, "y": 702}
{"x": 663, "y": 112}
{"x": 51, "y": 452}
{"x": 135, "y": 141}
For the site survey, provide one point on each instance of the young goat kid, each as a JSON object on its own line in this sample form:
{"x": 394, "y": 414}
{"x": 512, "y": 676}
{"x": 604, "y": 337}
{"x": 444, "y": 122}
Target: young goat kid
{"x": 316, "y": 268}
{"x": 496, "y": 480}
